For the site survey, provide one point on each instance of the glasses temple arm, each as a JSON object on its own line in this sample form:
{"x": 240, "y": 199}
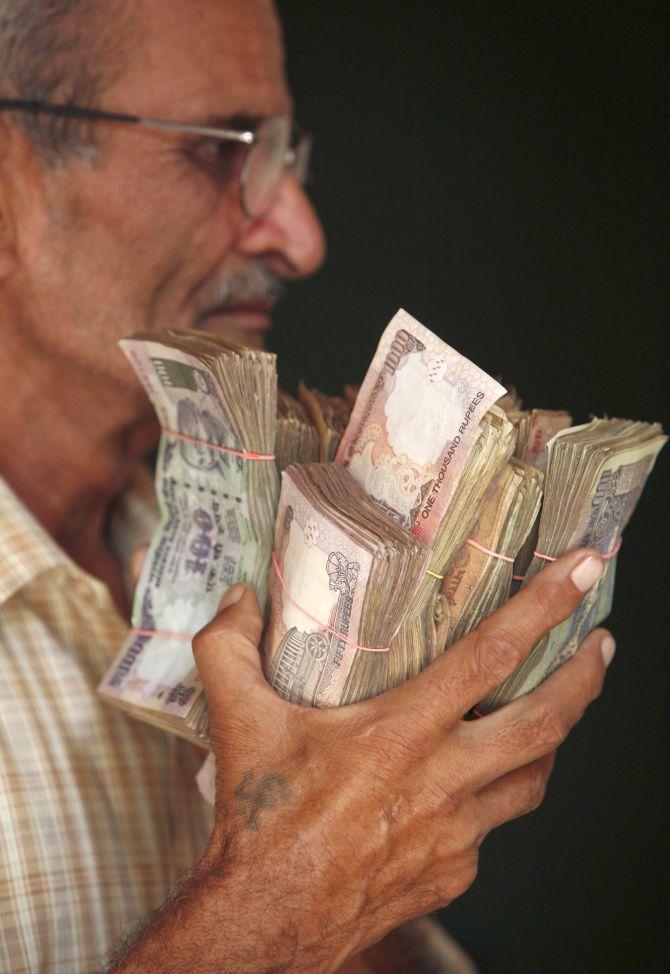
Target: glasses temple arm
{"x": 66, "y": 111}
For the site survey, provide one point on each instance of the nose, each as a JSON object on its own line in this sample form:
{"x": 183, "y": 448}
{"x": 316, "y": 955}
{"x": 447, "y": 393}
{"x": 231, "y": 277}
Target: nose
{"x": 289, "y": 237}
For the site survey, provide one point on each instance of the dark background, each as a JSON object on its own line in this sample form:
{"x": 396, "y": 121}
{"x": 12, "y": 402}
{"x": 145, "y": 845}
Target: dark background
{"x": 498, "y": 170}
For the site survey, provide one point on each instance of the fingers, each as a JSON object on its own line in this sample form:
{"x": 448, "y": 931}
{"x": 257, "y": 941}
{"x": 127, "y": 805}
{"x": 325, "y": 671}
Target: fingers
{"x": 226, "y": 653}
{"x": 516, "y": 793}
{"x": 536, "y": 724}
{"x": 136, "y": 561}
{"x": 480, "y": 661}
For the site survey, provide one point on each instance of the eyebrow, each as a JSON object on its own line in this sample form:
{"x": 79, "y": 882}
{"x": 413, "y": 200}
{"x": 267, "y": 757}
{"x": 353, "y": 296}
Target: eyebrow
{"x": 246, "y": 123}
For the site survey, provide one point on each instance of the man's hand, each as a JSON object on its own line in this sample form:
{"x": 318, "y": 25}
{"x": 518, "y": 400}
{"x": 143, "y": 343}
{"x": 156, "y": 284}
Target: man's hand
{"x": 335, "y": 826}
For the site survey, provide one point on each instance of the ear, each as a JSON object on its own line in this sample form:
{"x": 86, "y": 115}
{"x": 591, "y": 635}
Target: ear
{"x": 19, "y": 183}
{"x": 7, "y": 215}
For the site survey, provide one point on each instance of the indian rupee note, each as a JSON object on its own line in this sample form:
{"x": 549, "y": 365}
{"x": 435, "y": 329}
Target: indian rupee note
{"x": 210, "y": 533}
{"x": 416, "y": 419}
{"x": 605, "y": 483}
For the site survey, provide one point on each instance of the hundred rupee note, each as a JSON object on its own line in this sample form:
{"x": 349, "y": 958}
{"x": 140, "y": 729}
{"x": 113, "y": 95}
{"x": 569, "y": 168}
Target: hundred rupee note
{"x": 217, "y": 488}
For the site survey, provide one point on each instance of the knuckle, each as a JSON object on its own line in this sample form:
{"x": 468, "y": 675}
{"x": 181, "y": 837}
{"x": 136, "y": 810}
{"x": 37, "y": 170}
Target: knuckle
{"x": 552, "y": 601}
{"x": 214, "y": 633}
{"x": 551, "y": 728}
{"x": 458, "y": 876}
{"x": 594, "y": 679}
{"x": 468, "y": 871}
{"x": 536, "y": 790}
{"x": 233, "y": 648}
{"x": 495, "y": 653}
{"x": 200, "y": 641}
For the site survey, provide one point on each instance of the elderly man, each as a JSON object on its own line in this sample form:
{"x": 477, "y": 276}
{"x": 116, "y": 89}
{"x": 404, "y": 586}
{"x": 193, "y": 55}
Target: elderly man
{"x": 331, "y": 828}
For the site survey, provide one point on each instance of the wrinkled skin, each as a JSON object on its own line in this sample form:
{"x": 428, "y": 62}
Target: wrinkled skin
{"x": 335, "y": 826}
{"x": 332, "y": 827}
{"x": 143, "y": 239}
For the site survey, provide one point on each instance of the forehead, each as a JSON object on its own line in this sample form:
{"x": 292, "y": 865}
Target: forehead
{"x": 196, "y": 59}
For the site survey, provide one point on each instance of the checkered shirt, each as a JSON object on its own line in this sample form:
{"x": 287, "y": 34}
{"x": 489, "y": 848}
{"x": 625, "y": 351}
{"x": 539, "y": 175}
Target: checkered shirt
{"x": 99, "y": 813}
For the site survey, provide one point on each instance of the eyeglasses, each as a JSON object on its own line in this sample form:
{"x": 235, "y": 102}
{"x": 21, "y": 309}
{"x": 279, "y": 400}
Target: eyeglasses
{"x": 276, "y": 146}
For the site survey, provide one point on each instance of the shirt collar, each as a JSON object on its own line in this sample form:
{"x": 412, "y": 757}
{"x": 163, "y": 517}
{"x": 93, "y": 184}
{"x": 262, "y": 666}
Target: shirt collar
{"x": 26, "y": 548}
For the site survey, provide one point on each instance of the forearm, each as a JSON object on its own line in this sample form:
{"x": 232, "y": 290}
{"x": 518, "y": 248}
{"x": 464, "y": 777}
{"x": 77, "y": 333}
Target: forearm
{"x": 222, "y": 920}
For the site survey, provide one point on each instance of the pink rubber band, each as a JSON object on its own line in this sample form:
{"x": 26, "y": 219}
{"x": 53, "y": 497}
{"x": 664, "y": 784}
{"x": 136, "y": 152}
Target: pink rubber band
{"x": 545, "y": 557}
{"x": 610, "y": 554}
{"x": 322, "y": 625}
{"x": 615, "y": 550}
{"x": 220, "y": 449}
{"x": 487, "y": 551}
{"x": 164, "y": 635}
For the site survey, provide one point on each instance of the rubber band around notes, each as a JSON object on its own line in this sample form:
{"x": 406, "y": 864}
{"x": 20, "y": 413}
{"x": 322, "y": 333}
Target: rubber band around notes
{"x": 163, "y": 635}
{"x": 479, "y": 547}
{"x": 520, "y": 578}
{"x": 345, "y": 639}
{"x": 322, "y": 625}
{"x": 219, "y": 449}
{"x": 487, "y": 551}
{"x": 610, "y": 554}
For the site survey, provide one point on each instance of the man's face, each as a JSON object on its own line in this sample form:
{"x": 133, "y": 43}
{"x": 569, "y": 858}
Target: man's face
{"x": 155, "y": 236}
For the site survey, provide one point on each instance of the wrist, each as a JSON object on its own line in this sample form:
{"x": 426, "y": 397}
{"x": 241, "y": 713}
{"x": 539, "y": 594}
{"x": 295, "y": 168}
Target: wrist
{"x": 222, "y": 919}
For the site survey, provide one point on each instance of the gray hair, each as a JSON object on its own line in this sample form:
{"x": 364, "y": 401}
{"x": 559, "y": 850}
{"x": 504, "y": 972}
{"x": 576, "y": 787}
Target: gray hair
{"x": 66, "y": 52}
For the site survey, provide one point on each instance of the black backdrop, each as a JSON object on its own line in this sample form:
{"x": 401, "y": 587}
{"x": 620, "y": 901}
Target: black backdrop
{"x": 497, "y": 169}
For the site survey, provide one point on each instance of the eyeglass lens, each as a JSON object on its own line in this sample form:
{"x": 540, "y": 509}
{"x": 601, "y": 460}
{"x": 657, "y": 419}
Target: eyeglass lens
{"x": 266, "y": 163}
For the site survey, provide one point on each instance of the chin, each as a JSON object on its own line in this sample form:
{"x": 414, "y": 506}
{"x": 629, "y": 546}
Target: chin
{"x": 249, "y": 330}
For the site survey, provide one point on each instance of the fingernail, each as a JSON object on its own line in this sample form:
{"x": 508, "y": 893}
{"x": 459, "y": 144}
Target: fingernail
{"x": 587, "y": 573}
{"x": 233, "y": 595}
{"x": 608, "y": 648}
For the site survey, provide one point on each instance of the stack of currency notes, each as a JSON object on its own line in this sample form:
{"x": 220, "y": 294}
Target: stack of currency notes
{"x": 426, "y": 441}
{"x": 417, "y": 643}
{"x": 410, "y": 509}
{"x": 217, "y": 487}
{"x": 329, "y": 414}
{"x": 421, "y": 443}
{"x": 596, "y": 473}
{"x": 342, "y": 576}
{"x": 476, "y": 583}
{"x": 534, "y": 429}
{"x": 297, "y": 438}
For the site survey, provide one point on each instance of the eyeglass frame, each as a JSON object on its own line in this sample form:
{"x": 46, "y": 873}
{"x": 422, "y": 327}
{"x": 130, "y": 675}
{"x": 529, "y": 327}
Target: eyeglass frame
{"x": 296, "y": 159}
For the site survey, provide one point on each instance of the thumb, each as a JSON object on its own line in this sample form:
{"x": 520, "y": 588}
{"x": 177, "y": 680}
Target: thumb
{"x": 228, "y": 660}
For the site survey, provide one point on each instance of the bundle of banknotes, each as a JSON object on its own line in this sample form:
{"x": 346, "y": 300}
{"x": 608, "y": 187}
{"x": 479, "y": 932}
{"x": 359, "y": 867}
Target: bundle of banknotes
{"x": 217, "y": 487}
{"x": 410, "y": 509}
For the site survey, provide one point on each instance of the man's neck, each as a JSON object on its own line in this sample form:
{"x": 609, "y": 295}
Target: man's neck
{"x": 68, "y": 443}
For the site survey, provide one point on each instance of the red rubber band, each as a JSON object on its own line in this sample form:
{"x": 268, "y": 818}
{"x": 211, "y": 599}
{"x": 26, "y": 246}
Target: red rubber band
{"x": 322, "y": 625}
{"x": 220, "y": 449}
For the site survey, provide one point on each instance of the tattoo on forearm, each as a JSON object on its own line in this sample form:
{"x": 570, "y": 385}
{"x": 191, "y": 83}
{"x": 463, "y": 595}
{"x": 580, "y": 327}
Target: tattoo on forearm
{"x": 257, "y": 793}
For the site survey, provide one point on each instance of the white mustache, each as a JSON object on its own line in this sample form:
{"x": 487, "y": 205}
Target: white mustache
{"x": 255, "y": 283}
